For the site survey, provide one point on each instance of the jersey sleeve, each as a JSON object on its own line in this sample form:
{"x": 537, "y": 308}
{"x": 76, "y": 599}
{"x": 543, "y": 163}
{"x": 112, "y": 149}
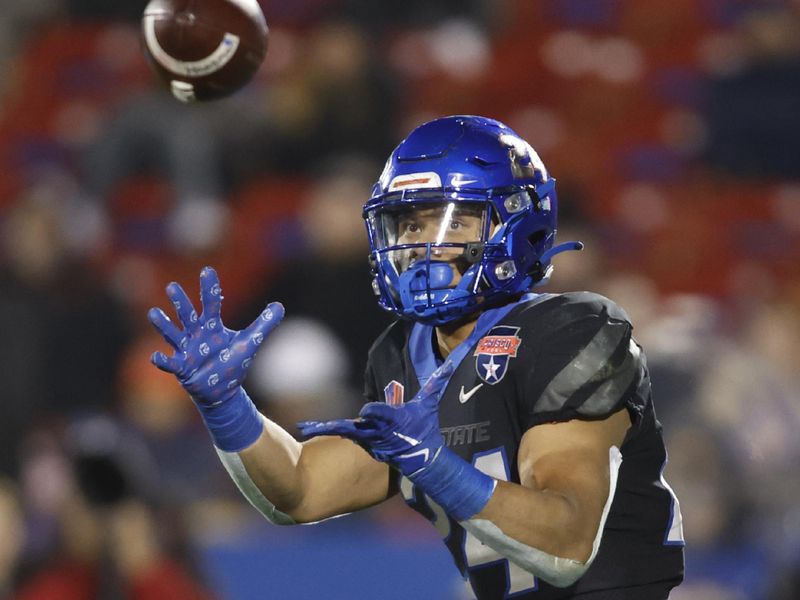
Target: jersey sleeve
{"x": 587, "y": 365}
{"x": 370, "y": 385}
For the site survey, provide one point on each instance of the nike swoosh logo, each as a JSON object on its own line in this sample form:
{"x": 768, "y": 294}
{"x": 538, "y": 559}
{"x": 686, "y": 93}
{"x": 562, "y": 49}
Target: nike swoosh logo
{"x": 424, "y": 453}
{"x": 406, "y": 438}
{"x": 464, "y": 396}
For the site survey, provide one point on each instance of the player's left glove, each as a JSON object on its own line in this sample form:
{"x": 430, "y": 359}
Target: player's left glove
{"x": 408, "y": 438}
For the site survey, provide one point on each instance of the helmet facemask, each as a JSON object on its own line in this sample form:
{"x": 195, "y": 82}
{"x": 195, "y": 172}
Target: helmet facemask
{"x": 428, "y": 254}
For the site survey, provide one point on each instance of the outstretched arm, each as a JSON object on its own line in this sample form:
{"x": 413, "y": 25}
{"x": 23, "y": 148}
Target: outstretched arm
{"x": 316, "y": 479}
{"x": 287, "y": 481}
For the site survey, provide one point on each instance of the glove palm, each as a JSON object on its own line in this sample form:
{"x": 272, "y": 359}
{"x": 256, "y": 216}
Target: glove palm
{"x": 211, "y": 361}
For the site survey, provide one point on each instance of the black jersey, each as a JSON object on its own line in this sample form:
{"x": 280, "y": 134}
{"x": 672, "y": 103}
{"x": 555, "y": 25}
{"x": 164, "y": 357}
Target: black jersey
{"x": 548, "y": 358}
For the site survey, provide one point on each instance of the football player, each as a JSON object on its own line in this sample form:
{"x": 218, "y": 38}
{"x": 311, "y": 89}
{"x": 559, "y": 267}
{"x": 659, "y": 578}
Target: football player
{"x": 520, "y": 423}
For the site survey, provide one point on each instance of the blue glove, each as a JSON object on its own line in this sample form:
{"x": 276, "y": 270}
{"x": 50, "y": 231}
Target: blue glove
{"x": 407, "y": 436}
{"x": 211, "y": 361}
{"x": 409, "y": 439}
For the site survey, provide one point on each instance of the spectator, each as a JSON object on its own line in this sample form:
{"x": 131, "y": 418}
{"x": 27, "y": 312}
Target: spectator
{"x": 337, "y": 98}
{"x": 313, "y": 364}
{"x": 111, "y": 541}
{"x": 49, "y": 303}
{"x": 154, "y": 134}
{"x": 334, "y": 260}
{"x": 154, "y": 408}
{"x": 752, "y": 114}
{"x": 723, "y": 560}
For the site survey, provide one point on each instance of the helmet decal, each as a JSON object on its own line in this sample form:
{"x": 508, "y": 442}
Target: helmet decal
{"x": 430, "y": 179}
{"x": 525, "y": 162}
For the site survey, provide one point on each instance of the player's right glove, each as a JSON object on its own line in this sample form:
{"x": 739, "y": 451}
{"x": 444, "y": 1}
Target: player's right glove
{"x": 211, "y": 361}
{"x": 408, "y": 438}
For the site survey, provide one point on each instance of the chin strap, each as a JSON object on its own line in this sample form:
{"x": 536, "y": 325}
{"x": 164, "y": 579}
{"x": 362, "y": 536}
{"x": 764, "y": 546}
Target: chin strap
{"x": 565, "y": 247}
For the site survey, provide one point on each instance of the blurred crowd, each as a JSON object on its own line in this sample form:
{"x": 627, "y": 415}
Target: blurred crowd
{"x": 673, "y": 127}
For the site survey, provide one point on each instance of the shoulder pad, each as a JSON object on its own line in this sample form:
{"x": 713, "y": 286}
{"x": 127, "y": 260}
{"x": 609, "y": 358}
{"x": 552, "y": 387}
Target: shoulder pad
{"x": 584, "y": 304}
{"x": 564, "y": 310}
{"x": 586, "y": 363}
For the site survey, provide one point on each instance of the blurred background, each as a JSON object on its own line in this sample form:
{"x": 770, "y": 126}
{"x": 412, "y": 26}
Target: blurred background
{"x": 673, "y": 127}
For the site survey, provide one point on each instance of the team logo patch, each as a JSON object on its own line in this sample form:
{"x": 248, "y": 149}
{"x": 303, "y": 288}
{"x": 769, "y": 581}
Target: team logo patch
{"x": 494, "y": 351}
{"x": 393, "y": 393}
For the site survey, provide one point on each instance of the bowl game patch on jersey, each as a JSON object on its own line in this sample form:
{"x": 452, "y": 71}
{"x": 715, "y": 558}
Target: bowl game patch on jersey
{"x": 494, "y": 351}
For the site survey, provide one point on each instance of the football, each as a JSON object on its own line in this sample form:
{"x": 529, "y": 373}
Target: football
{"x": 204, "y": 49}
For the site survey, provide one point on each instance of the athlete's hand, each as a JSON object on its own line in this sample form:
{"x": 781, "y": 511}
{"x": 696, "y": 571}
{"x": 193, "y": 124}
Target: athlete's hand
{"x": 406, "y": 436}
{"x": 209, "y": 360}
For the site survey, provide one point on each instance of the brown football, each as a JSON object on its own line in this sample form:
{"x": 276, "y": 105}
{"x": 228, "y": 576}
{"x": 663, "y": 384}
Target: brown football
{"x": 204, "y": 49}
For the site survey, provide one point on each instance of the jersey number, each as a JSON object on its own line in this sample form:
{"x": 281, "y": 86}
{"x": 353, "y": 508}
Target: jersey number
{"x": 495, "y": 464}
{"x": 476, "y": 553}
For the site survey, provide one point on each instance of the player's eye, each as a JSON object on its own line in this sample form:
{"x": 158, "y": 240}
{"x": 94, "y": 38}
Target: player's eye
{"x": 409, "y": 227}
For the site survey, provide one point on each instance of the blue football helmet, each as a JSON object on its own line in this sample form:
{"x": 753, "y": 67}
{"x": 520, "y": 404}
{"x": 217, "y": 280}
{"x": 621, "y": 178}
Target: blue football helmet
{"x": 462, "y": 218}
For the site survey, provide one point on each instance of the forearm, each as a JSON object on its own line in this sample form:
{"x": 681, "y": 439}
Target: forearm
{"x": 552, "y": 535}
{"x": 554, "y": 522}
{"x": 272, "y": 463}
{"x": 541, "y": 519}
{"x": 266, "y": 472}
{"x": 290, "y": 482}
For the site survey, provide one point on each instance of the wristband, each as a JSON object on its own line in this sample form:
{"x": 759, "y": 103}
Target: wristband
{"x": 234, "y": 424}
{"x": 455, "y": 485}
